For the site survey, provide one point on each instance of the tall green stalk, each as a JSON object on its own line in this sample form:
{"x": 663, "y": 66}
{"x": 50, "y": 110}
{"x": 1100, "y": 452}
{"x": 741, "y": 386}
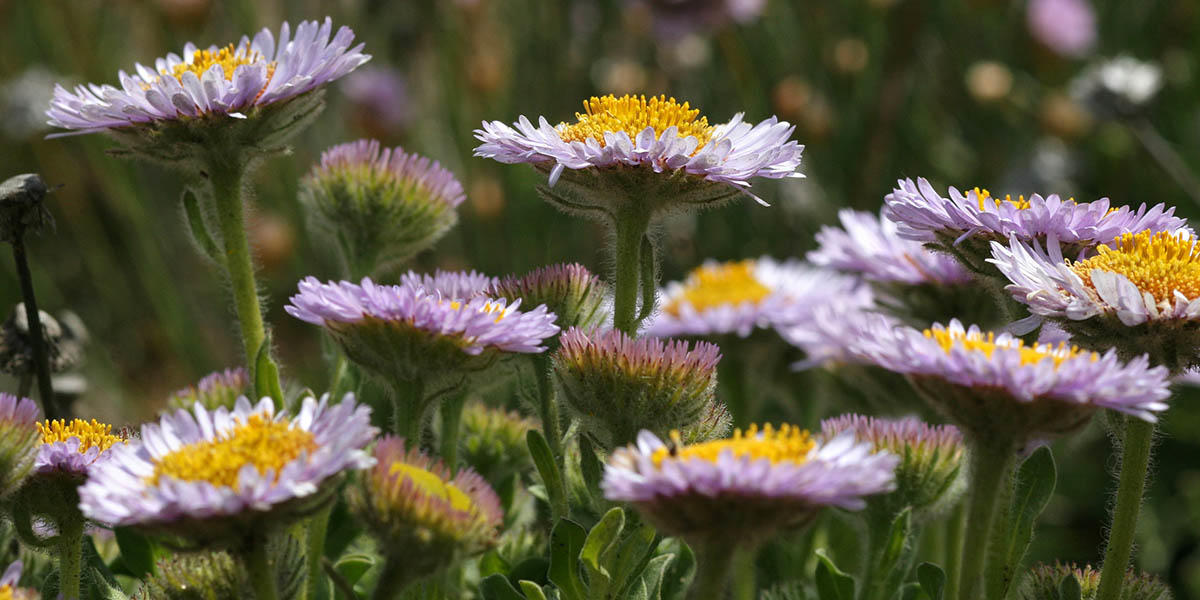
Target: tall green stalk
{"x": 258, "y": 565}
{"x": 631, "y": 225}
{"x": 989, "y": 470}
{"x": 714, "y": 561}
{"x": 548, "y": 404}
{"x": 1135, "y": 461}
{"x": 70, "y": 558}
{"x": 318, "y": 527}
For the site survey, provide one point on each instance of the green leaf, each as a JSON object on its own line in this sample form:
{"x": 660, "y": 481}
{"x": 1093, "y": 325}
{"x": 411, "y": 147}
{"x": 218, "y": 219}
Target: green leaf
{"x": 497, "y": 587}
{"x": 566, "y": 542}
{"x": 266, "y": 373}
{"x": 629, "y": 558}
{"x": 200, "y": 234}
{"x": 491, "y": 563}
{"x": 137, "y": 552}
{"x": 897, "y": 540}
{"x": 932, "y": 579}
{"x": 589, "y": 463}
{"x": 832, "y": 583}
{"x": 100, "y": 589}
{"x": 1032, "y": 488}
{"x": 679, "y": 574}
{"x": 543, "y": 459}
{"x": 532, "y": 590}
{"x": 652, "y": 576}
{"x": 531, "y": 569}
{"x": 352, "y": 567}
{"x": 602, "y": 536}
{"x": 1068, "y": 588}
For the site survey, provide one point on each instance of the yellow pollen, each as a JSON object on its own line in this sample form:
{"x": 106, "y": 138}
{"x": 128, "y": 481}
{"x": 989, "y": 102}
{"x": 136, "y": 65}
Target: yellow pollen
{"x": 788, "y": 443}
{"x": 264, "y": 443}
{"x": 985, "y": 199}
{"x": 1159, "y": 263}
{"x": 230, "y": 58}
{"x": 986, "y": 344}
{"x": 711, "y": 286}
{"x": 432, "y": 485}
{"x": 90, "y": 433}
{"x": 632, "y": 114}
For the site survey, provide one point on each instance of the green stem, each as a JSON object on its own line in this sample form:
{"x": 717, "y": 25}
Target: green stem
{"x": 394, "y": 578}
{"x": 70, "y": 558}
{"x": 1135, "y": 460}
{"x": 451, "y": 411}
{"x": 956, "y": 531}
{"x": 318, "y": 526}
{"x": 878, "y": 583}
{"x": 41, "y": 361}
{"x": 714, "y": 560}
{"x": 990, "y": 466}
{"x": 226, "y": 177}
{"x": 744, "y": 586}
{"x": 408, "y": 410}
{"x": 548, "y": 404}
{"x": 631, "y": 225}
{"x": 262, "y": 572}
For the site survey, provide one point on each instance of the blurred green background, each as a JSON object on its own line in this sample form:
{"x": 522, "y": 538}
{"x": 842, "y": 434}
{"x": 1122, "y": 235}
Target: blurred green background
{"x": 958, "y": 91}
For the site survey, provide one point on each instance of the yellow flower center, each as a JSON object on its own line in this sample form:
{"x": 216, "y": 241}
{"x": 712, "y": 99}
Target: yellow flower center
{"x": 1159, "y": 263}
{"x": 6, "y": 592}
{"x": 259, "y": 441}
{"x": 985, "y": 199}
{"x": 711, "y": 286}
{"x": 786, "y": 444}
{"x": 986, "y": 343}
{"x": 432, "y": 485}
{"x": 230, "y": 58}
{"x": 90, "y": 433}
{"x": 632, "y": 114}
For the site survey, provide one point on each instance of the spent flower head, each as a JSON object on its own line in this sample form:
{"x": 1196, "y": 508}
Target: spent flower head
{"x": 1139, "y": 294}
{"x": 207, "y": 476}
{"x": 421, "y": 514}
{"x": 965, "y": 224}
{"x": 64, "y": 341}
{"x": 380, "y": 205}
{"x": 744, "y": 489}
{"x": 738, "y": 296}
{"x": 618, "y": 385}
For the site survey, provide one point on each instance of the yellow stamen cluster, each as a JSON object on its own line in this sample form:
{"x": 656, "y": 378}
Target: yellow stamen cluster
{"x": 90, "y": 433}
{"x": 711, "y": 286}
{"x": 1159, "y": 263}
{"x": 229, "y": 57}
{"x": 259, "y": 441}
{"x": 985, "y": 199}
{"x": 632, "y": 114}
{"x": 432, "y": 486}
{"x": 788, "y": 443}
{"x": 986, "y": 343}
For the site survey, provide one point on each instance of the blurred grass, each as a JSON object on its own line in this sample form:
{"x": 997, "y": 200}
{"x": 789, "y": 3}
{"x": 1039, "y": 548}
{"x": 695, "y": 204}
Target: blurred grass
{"x": 879, "y": 89}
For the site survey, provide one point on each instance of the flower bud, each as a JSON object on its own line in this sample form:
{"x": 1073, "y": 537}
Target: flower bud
{"x": 215, "y": 390}
{"x": 576, "y": 295}
{"x": 493, "y": 441}
{"x": 1043, "y": 582}
{"x": 18, "y": 439}
{"x": 218, "y": 576}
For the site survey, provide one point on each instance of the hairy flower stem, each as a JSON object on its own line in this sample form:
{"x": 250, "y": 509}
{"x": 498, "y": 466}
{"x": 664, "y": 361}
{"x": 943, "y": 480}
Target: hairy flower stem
{"x": 70, "y": 558}
{"x": 451, "y": 412}
{"x": 548, "y": 404}
{"x": 631, "y": 224}
{"x": 41, "y": 362}
{"x": 989, "y": 470}
{"x": 259, "y": 567}
{"x": 395, "y": 577}
{"x": 956, "y": 530}
{"x": 408, "y": 410}
{"x": 714, "y": 561}
{"x": 744, "y": 587}
{"x": 318, "y": 526}
{"x": 1135, "y": 460}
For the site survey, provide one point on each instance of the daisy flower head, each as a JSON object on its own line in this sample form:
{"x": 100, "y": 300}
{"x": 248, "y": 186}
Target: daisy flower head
{"x": 74, "y": 447}
{"x": 424, "y": 516}
{"x": 453, "y": 285}
{"x": 735, "y": 297}
{"x": 999, "y": 389}
{"x": 1139, "y": 294}
{"x": 208, "y": 476}
{"x": 618, "y": 385}
{"x": 413, "y": 330}
{"x": 221, "y": 388}
{"x": 931, "y": 460}
{"x": 965, "y": 224}
{"x": 382, "y": 206}
{"x": 620, "y": 149}
{"x": 571, "y": 291}
{"x": 9, "y": 590}
{"x": 255, "y": 93}
{"x": 18, "y": 440}
{"x": 743, "y": 489}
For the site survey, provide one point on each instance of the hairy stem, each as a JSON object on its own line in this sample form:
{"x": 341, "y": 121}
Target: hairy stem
{"x": 548, "y": 404}
{"x": 318, "y": 526}
{"x": 990, "y": 466}
{"x": 714, "y": 560}
{"x": 1135, "y": 461}
{"x": 70, "y": 558}
{"x": 258, "y": 565}
{"x": 631, "y": 225}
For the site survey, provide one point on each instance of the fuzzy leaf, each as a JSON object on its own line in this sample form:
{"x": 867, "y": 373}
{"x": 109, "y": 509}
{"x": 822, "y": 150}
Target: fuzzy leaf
{"x": 543, "y": 459}
{"x": 566, "y": 542}
{"x": 679, "y": 573}
{"x": 932, "y": 579}
{"x": 1068, "y": 589}
{"x": 1032, "y": 489}
{"x": 497, "y": 587}
{"x": 832, "y": 583}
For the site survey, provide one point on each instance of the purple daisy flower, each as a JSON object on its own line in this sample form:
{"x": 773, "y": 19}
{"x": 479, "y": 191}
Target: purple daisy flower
{"x": 736, "y": 297}
{"x": 769, "y": 478}
{"x": 657, "y": 133}
{"x": 471, "y": 324}
{"x": 191, "y": 470}
{"x": 18, "y": 440}
{"x": 17, "y": 411}
{"x": 1039, "y": 381}
{"x": 870, "y": 246}
{"x": 452, "y": 285}
{"x": 9, "y": 581}
{"x": 214, "y": 81}
{"x": 75, "y": 447}
{"x": 368, "y": 160}
{"x": 1068, "y": 27}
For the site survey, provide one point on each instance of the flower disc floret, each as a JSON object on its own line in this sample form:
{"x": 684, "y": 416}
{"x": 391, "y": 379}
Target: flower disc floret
{"x": 198, "y": 474}
{"x": 736, "y": 297}
{"x": 744, "y": 489}
{"x": 632, "y": 115}
{"x": 213, "y": 81}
